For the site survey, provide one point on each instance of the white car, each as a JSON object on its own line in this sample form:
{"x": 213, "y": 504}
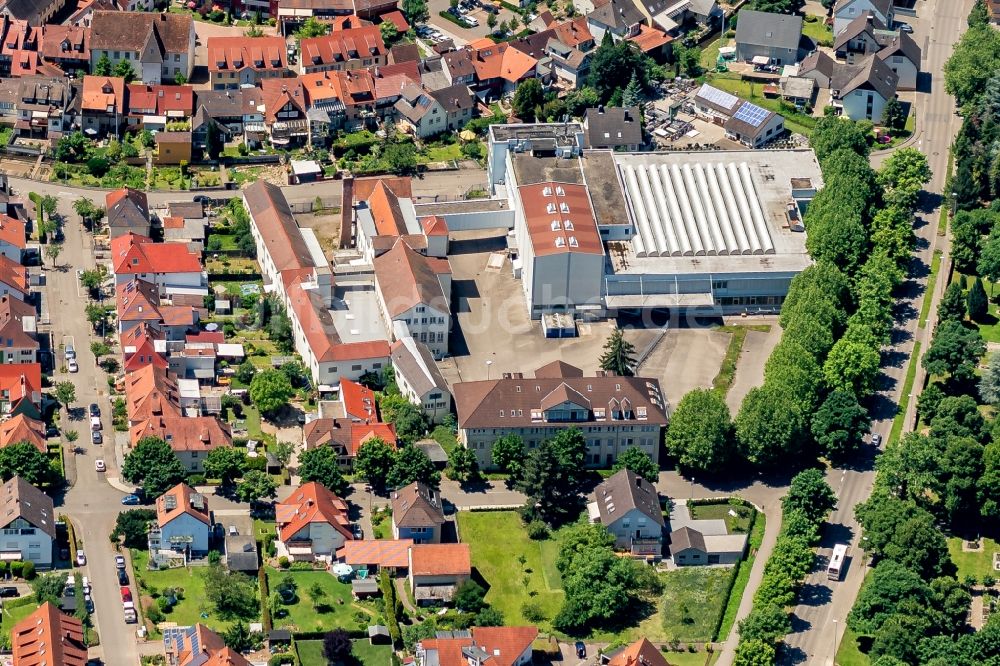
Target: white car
{"x": 119, "y": 562}
{"x": 470, "y": 21}
{"x": 100, "y": 466}
{"x": 86, "y": 585}
{"x": 81, "y": 558}
{"x": 72, "y": 365}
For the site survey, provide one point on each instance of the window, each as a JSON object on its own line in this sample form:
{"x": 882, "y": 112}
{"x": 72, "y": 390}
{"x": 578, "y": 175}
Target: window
{"x": 177, "y": 57}
{"x": 355, "y": 367}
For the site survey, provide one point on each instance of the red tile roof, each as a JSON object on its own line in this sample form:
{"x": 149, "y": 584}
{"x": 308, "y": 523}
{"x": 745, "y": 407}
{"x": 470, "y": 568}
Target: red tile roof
{"x": 398, "y": 20}
{"x": 359, "y": 401}
{"x": 12, "y": 231}
{"x": 103, "y": 94}
{"x": 160, "y": 100}
{"x": 650, "y": 39}
{"x": 48, "y": 637}
{"x": 65, "y": 42}
{"x": 342, "y": 46}
{"x": 277, "y": 94}
{"x": 392, "y": 553}
{"x": 20, "y": 380}
{"x": 133, "y": 254}
{"x": 434, "y": 226}
{"x": 13, "y": 275}
{"x": 229, "y": 54}
{"x": 181, "y": 503}
{"x": 184, "y": 433}
{"x": 21, "y": 428}
{"x": 503, "y": 646}
{"x": 440, "y": 559}
{"x": 391, "y": 79}
{"x": 311, "y": 503}
{"x": 151, "y": 392}
{"x": 639, "y": 653}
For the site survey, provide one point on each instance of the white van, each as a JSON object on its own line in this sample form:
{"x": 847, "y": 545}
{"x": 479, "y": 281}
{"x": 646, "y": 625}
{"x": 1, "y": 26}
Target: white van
{"x": 95, "y": 423}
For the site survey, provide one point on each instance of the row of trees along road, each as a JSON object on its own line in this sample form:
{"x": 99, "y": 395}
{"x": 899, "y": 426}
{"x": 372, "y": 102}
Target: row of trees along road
{"x": 944, "y": 479}
{"x": 836, "y": 318}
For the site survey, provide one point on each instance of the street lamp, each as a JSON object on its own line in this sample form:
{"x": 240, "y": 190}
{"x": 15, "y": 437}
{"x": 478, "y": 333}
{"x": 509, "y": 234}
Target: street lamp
{"x": 488, "y": 364}
{"x": 954, "y": 203}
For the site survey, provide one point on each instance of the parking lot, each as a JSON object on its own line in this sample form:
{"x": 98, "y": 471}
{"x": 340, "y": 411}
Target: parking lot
{"x": 464, "y": 33}
{"x": 491, "y": 323}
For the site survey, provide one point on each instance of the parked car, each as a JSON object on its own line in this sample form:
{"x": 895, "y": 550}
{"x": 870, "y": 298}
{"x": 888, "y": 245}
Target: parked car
{"x": 96, "y": 437}
{"x": 470, "y": 21}
{"x": 95, "y": 423}
{"x": 100, "y": 466}
{"x": 131, "y": 500}
{"x": 119, "y": 562}
{"x": 8, "y": 592}
{"x": 81, "y": 558}
{"x": 95, "y": 409}
{"x": 122, "y": 577}
{"x": 126, "y": 594}
{"x": 581, "y": 649}
{"x": 201, "y": 198}
{"x": 69, "y": 352}
{"x": 51, "y": 431}
{"x": 905, "y": 27}
{"x": 876, "y": 439}
{"x": 72, "y": 365}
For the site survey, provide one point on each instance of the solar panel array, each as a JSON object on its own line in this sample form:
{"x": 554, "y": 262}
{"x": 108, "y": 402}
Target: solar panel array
{"x": 716, "y": 96}
{"x": 176, "y": 635}
{"x": 751, "y": 114}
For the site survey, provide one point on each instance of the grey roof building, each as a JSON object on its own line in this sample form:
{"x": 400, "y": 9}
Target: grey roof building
{"x": 776, "y": 37}
{"x": 629, "y": 508}
{"x": 241, "y": 553}
{"x": 613, "y": 127}
{"x": 417, "y": 513}
{"x": 128, "y": 211}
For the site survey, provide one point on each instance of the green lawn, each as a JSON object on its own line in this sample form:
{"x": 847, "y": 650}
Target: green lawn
{"x": 311, "y": 653}
{"x": 848, "y": 654}
{"x": 241, "y": 175}
{"x": 710, "y": 54}
{"x": 692, "y": 599}
{"x": 193, "y": 607}
{"x": 12, "y": 616}
{"x": 742, "y": 578}
{"x": 904, "y": 401}
{"x": 735, "y": 524}
{"x": 925, "y": 305}
{"x": 445, "y": 437}
{"x": 441, "y": 153}
{"x": 974, "y": 564}
{"x": 817, "y": 30}
{"x": 753, "y": 92}
{"x": 336, "y": 608}
{"x": 497, "y": 538}
{"x": 691, "y": 658}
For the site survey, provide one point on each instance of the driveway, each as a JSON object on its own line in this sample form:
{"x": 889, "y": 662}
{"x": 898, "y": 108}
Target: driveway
{"x": 686, "y": 359}
{"x": 757, "y": 348}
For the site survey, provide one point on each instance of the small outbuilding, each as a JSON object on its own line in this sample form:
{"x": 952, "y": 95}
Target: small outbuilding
{"x": 364, "y": 588}
{"x": 305, "y": 171}
{"x": 379, "y": 635}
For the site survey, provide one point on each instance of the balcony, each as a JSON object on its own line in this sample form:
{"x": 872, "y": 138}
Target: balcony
{"x": 647, "y": 547}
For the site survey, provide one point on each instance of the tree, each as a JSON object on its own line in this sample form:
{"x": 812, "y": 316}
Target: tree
{"x": 463, "y": 466}
{"x": 245, "y": 372}
{"x": 489, "y": 617}
{"x": 99, "y": 348}
{"x": 409, "y": 421}
{"x": 615, "y": 63}
{"x": 52, "y": 252}
{"x": 374, "y": 461}
{"x": 891, "y": 584}
{"x": 973, "y": 61}
{"x": 337, "y": 646}
{"x": 810, "y": 494}
{"x": 415, "y": 11}
{"x": 528, "y": 97}
{"x": 754, "y": 653}
{"x": 977, "y": 301}
{"x": 469, "y": 597}
{"x": 24, "y": 460}
{"x": 255, "y": 486}
{"x": 901, "y": 531}
{"x": 124, "y": 70}
{"x": 410, "y": 464}
{"x": 233, "y": 594}
{"x": 390, "y": 33}
{"x": 893, "y": 115}
{"x": 700, "y": 431}
{"x": 103, "y": 66}
{"x": 832, "y": 133}
{"x": 989, "y": 381}
{"x": 270, "y": 390}
{"x": 778, "y": 6}
{"x": 852, "y": 366}
{"x": 401, "y": 158}
{"x": 225, "y": 463}
{"x": 979, "y": 16}
{"x": 952, "y": 306}
{"x": 92, "y": 280}
{"x": 312, "y": 28}
{"x": 98, "y": 315}
{"x": 552, "y": 475}
{"x": 491, "y": 21}
{"x": 132, "y": 527}
{"x": 954, "y": 350}
{"x": 65, "y": 393}
{"x": 988, "y": 265}
{"x": 639, "y": 462}
{"x": 153, "y": 464}
{"x": 770, "y": 425}
{"x": 86, "y": 209}
{"x": 839, "y": 425}
{"x": 632, "y": 95}
{"x": 321, "y": 465}
{"x": 238, "y": 638}
{"x": 619, "y": 355}
{"x": 49, "y": 588}
{"x": 508, "y": 454}
{"x": 283, "y": 452}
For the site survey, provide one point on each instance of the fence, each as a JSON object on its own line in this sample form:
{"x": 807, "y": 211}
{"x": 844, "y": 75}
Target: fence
{"x": 327, "y": 203}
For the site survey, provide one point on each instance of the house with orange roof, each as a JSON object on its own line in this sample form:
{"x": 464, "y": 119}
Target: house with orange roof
{"x": 389, "y": 82}
{"x": 14, "y": 280}
{"x": 192, "y": 438}
{"x": 150, "y": 392}
{"x": 195, "y": 643}
{"x": 238, "y": 61}
{"x": 436, "y": 570}
{"x": 358, "y": 402}
{"x": 651, "y": 41}
{"x": 103, "y": 105}
{"x": 356, "y": 91}
{"x": 167, "y": 265}
{"x": 12, "y": 239}
{"x": 383, "y": 211}
{"x": 351, "y": 48}
{"x": 312, "y": 524}
{"x": 639, "y": 653}
{"x": 48, "y": 636}
{"x": 65, "y": 46}
{"x": 482, "y": 646}
{"x": 183, "y": 522}
{"x": 285, "y": 111}
{"x": 21, "y": 389}
{"x": 500, "y": 68}
{"x": 18, "y": 331}
{"x": 23, "y": 428}
{"x": 139, "y": 348}
{"x": 413, "y": 296}
{"x": 138, "y": 301}
{"x": 375, "y": 554}
{"x": 345, "y": 436}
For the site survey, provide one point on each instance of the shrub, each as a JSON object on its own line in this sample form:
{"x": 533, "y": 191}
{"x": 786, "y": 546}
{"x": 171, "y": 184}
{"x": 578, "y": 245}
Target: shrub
{"x": 214, "y": 557}
{"x": 29, "y": 571}
{"x": 16, "y": 569}
{"x": 154, "y": 614}
{"x": 532, "y": 612}
{"x": 537, "y": 530}
{"x": 283, "y": 562}
{"x": 164, "y": 604}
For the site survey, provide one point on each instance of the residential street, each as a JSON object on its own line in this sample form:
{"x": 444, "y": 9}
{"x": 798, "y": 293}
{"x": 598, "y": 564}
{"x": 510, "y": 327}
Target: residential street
{"x": 819, "y": 620}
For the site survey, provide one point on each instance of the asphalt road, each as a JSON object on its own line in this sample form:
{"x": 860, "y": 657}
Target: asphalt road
{"x": 818, "y": 620}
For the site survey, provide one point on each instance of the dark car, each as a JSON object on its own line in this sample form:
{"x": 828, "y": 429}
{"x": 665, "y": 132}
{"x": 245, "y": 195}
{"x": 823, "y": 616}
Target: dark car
{"x": 8, "y": 591}
{"x": 122, "y": 577}
{"x": 201, "y": 198}
{"x": 95, "y": 410}
{"x": 581, "y": 649}
{"x": 96, "y": 437}
{"x": 51, "y": 431}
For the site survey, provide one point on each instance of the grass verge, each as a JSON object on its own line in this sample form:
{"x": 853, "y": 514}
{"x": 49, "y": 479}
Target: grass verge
{"x": 925, "y": 306}
{"x": 904, "y": 399}
{"x": 976, "y": 564}
{"x": 742, "y": 578}
{"x": 848, "y": 653}
{"x": 727, "y": 371}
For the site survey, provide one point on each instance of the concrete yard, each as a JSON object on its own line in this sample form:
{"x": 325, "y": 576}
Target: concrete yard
{"x": 757, "y": 347}
{"x": 686, "y": 359}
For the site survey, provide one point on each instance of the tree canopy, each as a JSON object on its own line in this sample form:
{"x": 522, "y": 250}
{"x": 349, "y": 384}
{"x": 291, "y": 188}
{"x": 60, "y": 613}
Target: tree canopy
{"x": 700, "y": 432}
{"x": 154, "y": 465}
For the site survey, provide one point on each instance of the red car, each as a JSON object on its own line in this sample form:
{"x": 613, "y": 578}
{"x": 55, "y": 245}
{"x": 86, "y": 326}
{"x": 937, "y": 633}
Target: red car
{"x": 126, "y": 594}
